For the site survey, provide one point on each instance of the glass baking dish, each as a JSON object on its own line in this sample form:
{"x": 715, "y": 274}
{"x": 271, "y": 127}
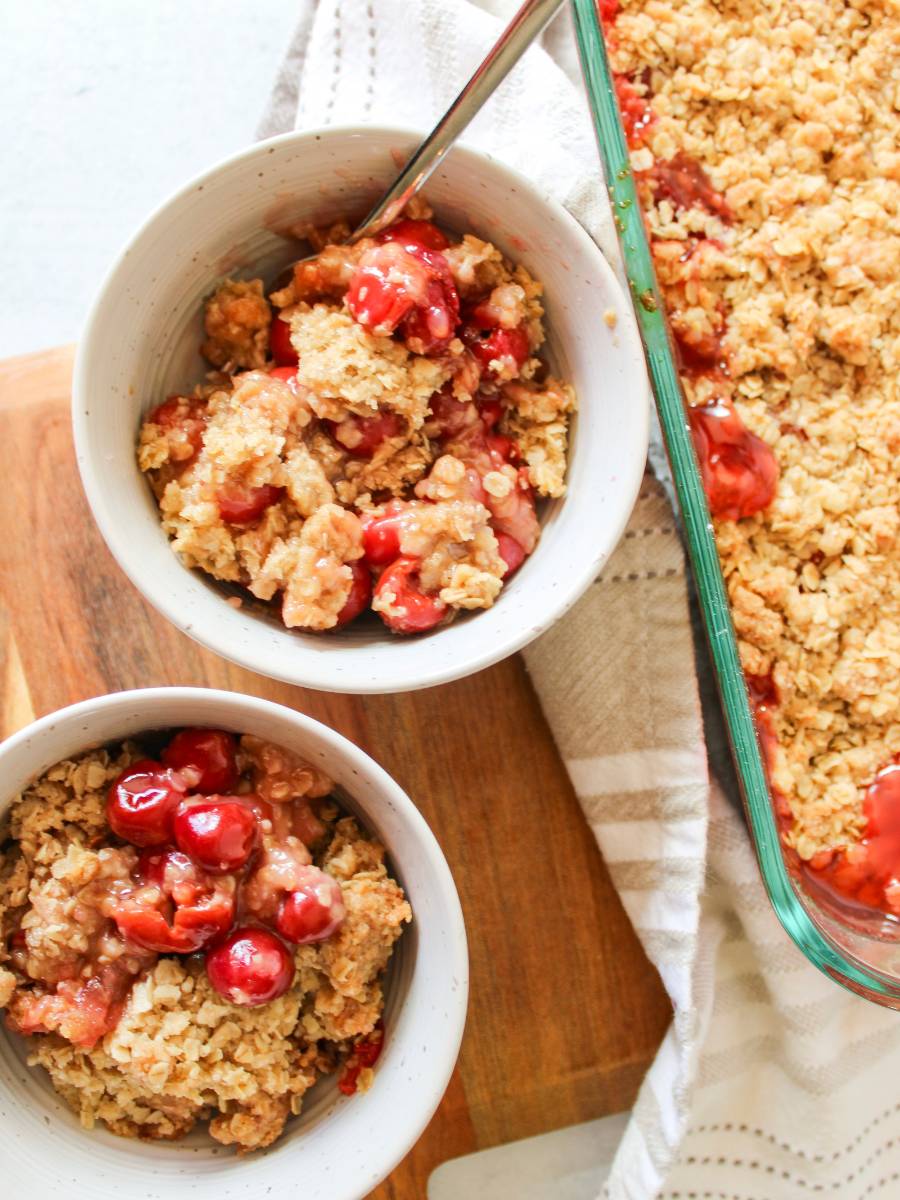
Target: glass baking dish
{"x": 859, "y": 949}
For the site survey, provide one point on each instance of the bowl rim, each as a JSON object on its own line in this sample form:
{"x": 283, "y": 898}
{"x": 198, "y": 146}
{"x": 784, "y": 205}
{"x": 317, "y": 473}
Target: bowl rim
{"x": 390, "y": 1149}
{"x": 512, "y": 637}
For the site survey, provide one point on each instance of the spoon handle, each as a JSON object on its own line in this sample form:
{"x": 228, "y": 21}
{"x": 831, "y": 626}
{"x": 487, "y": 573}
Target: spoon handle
{"x": 522, "y": 30}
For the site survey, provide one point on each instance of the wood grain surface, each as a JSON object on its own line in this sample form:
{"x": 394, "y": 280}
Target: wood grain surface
{"x": 565, "y": 1011}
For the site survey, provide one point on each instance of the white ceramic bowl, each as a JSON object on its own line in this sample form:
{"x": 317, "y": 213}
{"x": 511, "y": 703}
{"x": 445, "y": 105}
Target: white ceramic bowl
{"x": 339, "y": 1147}
{"x": 141, "y": 345}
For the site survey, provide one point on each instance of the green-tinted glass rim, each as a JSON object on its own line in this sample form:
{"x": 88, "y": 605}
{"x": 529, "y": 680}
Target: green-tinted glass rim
{"x": 798, "y": 921}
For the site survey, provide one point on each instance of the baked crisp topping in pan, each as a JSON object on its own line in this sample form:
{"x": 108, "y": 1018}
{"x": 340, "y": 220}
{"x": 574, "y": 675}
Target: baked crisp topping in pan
{"x": 178, "y": 955}
{"x": 765, "y": 142}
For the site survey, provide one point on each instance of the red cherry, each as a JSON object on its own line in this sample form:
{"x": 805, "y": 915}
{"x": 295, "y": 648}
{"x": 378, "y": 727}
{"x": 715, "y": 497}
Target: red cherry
{"x": 683, "y": 181}
{"x": 360, "y": 594}
{"x": 240, "y": 504}
{"x": 449, "y": 417}
{"x": 415, "y": 235}
{"x": 280, "y": 344}
{"x": 262, "y": 809}
{"x": 384, "y": 287}
{"x": 515, "y": 515}
{"x": 186, "y": 413}
{"x": 142, "y": 802}
{"x": 412, "y": 610}
{"x": 381, "y": 535}
{"x": 430, "y": 326}
{"x": 175, "y": 907}
{"x": 85, "y": 1009}
{"x": 511, "y": 346}
{"x": 504, "y": 447}
{"x": 286, "y": 374}
{"x": 739, "y": 470}
{"x": 205, "y": 757}
{"x": 305, "y": 824}
{"x": 365, "y": 1053}
{"x": 251, "y": 967}
{"x": 219, "y": 834}
{"x": 511, "y": 552}
{"x": 700, "y": 353}
{"x": 634, "y": 108}
{"x": 396, "y": 286}
{"x": 491, "y": 413}
{"x": 313, "y": 912}
{"x": 362, "y": 436}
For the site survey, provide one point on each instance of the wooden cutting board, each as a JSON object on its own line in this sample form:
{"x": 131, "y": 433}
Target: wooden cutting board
{"x": 565, "y": 1011}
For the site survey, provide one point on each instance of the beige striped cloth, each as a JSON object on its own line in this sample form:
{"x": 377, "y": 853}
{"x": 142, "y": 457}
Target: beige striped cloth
{"x": 771, "y": 1084}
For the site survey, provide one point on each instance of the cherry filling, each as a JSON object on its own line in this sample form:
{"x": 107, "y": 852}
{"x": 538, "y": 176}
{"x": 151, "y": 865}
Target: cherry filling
{"x": 634, "y": 108}
{"x": 407, "y": 289}
{"x": 388, "y": 281}
{"x": 240, "y": 504}
{"x": 250, "y": 967}
{"x": 381, "y": 534}
{"x": 81, "y": 1010}
{"x": 205, "y": 759}
{"x": 683, "y": 182}
{"x": 415, "y": 235}
{"x": 313, "y": 911}
{"x": 285, "y": 374}
{"x": 449, "y": 417}
{"x": 174, "y": 907}
{"x": 280, "y": 344}
{"x": 763, "y": 693}
{"x": 141, "y": 804}
{"x": 515, "y": 516}
{"x": 410, "y": 610}
{"x": 503, "y": 447}
{"x": 360, "y": 594}
{"x": 490, "y": 410}
{"x": 510, "y": 348}
{"x": 868, "y": 872}
{"x": 187, "y": 416}
{"x": 430, "y": 327}
{"x": 366, "y": 1053}
{"x": 739, "y": 470}
{"x": 511, "y": 552}
{"x": 362, "y": 436}
{"x": 219, "y": 834}
{"x": 700, "y": 353}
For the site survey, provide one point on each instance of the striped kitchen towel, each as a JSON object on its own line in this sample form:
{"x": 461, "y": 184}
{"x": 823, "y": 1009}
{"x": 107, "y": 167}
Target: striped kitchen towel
{"x": 771, "y": 1083}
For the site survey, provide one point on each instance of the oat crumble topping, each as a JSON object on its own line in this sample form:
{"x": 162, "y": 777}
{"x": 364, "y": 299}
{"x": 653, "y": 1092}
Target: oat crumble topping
{"x": 780, "y": 263}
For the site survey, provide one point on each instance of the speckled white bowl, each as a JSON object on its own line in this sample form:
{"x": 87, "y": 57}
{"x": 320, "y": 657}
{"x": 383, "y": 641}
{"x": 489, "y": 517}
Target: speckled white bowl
{"x": 339, "y": 1147}
{"x": 141, "y": 345}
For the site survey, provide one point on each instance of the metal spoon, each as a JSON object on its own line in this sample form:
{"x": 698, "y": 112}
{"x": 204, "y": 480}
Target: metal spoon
{"x": 522, "y": 30}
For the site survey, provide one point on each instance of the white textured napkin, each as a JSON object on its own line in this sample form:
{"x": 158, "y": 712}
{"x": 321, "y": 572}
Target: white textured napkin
{"x": 771, "y": 1084}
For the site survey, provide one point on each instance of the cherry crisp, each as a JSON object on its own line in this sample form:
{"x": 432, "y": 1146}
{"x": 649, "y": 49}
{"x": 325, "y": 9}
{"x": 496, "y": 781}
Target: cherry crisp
{"x": 191, "y": 930}
{"x": 374, "y": 434}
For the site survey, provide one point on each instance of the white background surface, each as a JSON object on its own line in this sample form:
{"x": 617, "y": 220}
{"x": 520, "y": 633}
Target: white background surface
{"x": 107, "y": 106}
